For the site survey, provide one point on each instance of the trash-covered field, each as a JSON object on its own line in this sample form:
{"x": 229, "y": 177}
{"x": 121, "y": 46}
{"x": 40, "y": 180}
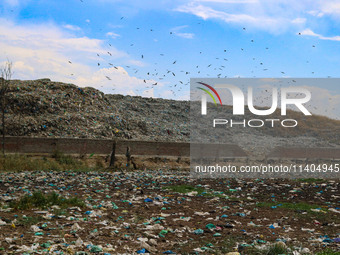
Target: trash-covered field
{"x": 163, "y": 212}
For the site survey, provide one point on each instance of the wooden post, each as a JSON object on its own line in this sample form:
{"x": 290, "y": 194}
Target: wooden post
{"x": 113, "y": 155}
{"x": 133, "y": 163}
{"x": 128, "y": 157}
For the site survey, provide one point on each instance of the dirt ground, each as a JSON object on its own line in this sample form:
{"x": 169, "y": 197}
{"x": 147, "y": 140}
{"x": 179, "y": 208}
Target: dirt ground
{"x": 166, "y": 211}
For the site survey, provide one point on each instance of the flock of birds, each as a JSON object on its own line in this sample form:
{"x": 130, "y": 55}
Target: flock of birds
{"x": 155, "y": 76}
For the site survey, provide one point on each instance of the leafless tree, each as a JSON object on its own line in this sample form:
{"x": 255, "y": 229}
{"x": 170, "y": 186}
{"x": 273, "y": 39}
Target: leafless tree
{"x": 5, "y": 80}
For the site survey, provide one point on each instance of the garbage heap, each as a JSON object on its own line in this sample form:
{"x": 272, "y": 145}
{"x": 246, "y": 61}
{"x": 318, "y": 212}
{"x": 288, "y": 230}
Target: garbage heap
{"x": 44, "y": 108}
{"x": 154, "y": 119}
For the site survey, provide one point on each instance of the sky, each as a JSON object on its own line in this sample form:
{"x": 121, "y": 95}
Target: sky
{"x": 152, "y": 48}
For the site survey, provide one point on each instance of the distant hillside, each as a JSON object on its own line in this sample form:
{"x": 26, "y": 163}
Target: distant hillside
{"x": 52, "y": 109}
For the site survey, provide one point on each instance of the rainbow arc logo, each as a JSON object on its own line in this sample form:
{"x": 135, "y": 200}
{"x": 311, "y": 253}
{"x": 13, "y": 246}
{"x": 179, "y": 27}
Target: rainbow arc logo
{"x": 209, "y": 93}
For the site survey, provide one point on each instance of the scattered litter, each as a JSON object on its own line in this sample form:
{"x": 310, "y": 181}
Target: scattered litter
{"x": 115, "y": 217}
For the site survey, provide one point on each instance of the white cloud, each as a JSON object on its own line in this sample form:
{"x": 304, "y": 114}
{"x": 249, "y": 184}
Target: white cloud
{"x": 135, "y": 62}
{"x": 275, "y": 17}
{"x": 330, "y": 38}
{"x": 48, "y": 51}
{"x": 112, "y": 35}
{"x": 176, "y": 31}
{"x": 148, "y": 93}
{"x": 331, "y": 7}
{"x": 316, "y": 13}
{"x": 309, "y": 32}
{"x": 206, "y": 12}
{"x": 112, "y": 80}
{"x": 299, "y": 21}
{"x": 71, "y": 27}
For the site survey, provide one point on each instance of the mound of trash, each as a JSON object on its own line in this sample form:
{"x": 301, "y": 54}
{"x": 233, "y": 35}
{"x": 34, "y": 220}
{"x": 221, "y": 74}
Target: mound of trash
{"x": 154, "y": 119}
{"x": 44, "y": 108}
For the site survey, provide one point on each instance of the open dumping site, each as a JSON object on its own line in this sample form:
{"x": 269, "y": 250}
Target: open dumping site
{"x": 58, "y": 194}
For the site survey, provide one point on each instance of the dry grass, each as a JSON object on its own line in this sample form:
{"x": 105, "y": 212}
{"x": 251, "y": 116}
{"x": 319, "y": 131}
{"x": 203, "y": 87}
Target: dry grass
{"x": 57, "y": 162}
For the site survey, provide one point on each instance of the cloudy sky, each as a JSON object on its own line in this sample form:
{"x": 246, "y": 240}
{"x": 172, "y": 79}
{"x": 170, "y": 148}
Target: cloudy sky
{"x": 153, "y": 48}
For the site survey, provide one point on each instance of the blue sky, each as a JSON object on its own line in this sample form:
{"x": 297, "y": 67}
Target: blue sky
{"x": 114, "y": 45}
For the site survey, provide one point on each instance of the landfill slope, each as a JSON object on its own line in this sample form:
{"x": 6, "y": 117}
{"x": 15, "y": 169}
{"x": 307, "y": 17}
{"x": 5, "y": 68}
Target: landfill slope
{"x": 154, "y": 119}
{"x": 43, "y": 108}
{"x": 53, "y": 109}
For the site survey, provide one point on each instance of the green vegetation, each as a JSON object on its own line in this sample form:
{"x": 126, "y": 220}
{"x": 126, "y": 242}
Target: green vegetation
{"x": 28, "y": 221}
{"x": 274, "y": 249}
{"x": 58, "y": 161}
{"x": 293, "y": 206}
{"x": 328, "y": 252}
{"x": 228, "y": 245}
{"x": 310, "y": 180}
{"x": 24, "y": 163}
{"x": 39, "y": 200}
{"x": 322, "y": 215}
{"x": 277, "y": 249}
{"x": 63, "y": 159}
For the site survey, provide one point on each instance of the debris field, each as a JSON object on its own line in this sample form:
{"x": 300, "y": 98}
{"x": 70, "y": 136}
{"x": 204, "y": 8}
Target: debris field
{"x": 164, "y": 212}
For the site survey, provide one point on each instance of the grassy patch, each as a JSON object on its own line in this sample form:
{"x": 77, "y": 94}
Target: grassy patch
{"x": 67, "y": 162}
{"x": 24, "y": 163}
{"x": 275, "y": 249}
{"x": 328, "y": 252}
{"x": 63, "y": 159}
{"x": 58, "y": 162}
{"x": 310, "y": 180}
{"x": 60, "y": 212}
{"x": 293, "y": 206}
{"x": 228, "y": 245}
{"x": 39, "y": 200}
{"x": 28, "y": 221}
{"x": 322, "y": 216}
